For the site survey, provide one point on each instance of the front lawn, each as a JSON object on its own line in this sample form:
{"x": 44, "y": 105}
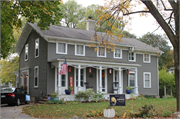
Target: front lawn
{"x": 162, "y": 107}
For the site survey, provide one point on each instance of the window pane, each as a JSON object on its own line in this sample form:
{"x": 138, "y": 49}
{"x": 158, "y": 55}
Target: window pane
{"x": 35, "y": 81}
{"x": 147, "y": 84}
{"x": 146, "y": 76}
{"x": 82, "y": 84}
{"x": 79, "y": 49}
{"x": 63, "y": 83}
{"x": 101, "y": 52}
{"x": 117, "y": 53}
{"x": 61, "y": 47}
{"x": 132, "y": 83}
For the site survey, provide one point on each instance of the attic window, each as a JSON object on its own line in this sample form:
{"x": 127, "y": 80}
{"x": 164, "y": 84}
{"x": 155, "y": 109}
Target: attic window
{"x": 26, "y": 52}
{"x": 37, "y": 48}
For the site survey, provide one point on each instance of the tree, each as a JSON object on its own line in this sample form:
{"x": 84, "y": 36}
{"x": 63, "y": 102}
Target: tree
{"x": 126, "y": 34}
{"x": 11, "y": 12}
{"x": 160, "y": 42}
{"x": 7, "y": 68}
{"x": 166, "y": 14}
{"x": 72, "y": 13}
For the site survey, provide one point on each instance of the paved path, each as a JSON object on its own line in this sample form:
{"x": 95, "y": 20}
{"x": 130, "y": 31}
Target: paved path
{"x": 11, "y": 112}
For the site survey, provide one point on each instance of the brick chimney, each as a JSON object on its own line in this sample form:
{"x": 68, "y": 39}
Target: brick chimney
{"x": 90, "y": 24}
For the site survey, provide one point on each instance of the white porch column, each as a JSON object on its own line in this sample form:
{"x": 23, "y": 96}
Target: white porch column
{"x": 59, "y": 77}
{"x": 97, "y": 88}
{"x": 136, "y": 81}
{"x": 100, "y": 78}
{"x": 79, "y": 77}
{"x": 120, "y": 84}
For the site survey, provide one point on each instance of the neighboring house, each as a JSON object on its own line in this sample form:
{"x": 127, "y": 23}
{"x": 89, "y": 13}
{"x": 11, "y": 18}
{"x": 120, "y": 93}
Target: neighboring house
{"x": 171, "y": 70}
{"x": 42, "y": 54}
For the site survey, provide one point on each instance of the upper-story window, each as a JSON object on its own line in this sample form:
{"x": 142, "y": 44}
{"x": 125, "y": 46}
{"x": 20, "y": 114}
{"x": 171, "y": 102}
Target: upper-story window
{"x": 61, "y": 48}
{"x": 118, "y": 53}
{"x": 26, "y": 52}
{"x": 101, "y": 52}
{"x": 146, "y": 58}
{"x": 132, "y": 56}
{"x": 36, "y": 76}
{"x": 80, "y": 50}
{"x": 147, "y": 79}
{"x": 37, "y": 48}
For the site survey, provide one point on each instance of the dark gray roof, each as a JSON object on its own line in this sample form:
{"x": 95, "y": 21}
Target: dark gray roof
{"x": 59, "y": 31}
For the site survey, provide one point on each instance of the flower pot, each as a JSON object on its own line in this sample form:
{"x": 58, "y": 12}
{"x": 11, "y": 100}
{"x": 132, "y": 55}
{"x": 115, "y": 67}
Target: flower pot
{"x": 67, "y": 92}
{"x": 56, "y": 98}
{"x": 128, "y": 91}
{"x": 109, "y": 113}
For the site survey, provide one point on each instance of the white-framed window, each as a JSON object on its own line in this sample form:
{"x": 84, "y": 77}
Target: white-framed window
{"x": 37, "y": 48}
{"x": 80, "y": 50}
{"x": 146, "y": 58}
{"x": 118, "y": 53}
{"x": 81, "y": 78}
{"x": 61, "y": 48}
{"x": 26, "y": 52}
{"x": 101, "y": 52}
{"x": 132, "y": 56}
{"x": 147, "y": 79}
{"x": 131, "y": 79}
{"x": 36, "y": 76}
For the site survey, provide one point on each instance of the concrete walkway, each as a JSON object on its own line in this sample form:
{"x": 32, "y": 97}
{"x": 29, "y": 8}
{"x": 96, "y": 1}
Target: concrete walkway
{"x": 13, "y": 112}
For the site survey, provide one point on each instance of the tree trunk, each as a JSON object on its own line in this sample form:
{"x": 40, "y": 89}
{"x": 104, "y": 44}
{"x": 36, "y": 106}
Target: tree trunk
{"x": 176, "y": 65}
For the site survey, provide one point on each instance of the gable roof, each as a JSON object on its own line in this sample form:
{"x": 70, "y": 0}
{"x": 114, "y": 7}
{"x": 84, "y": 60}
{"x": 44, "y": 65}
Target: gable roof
{"x": 77, "y": 34}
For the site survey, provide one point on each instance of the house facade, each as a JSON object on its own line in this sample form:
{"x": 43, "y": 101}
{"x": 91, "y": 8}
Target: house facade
{"x": 42, "y": 54}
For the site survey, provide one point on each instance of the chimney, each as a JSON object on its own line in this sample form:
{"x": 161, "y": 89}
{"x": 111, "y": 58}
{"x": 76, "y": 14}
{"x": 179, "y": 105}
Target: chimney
{"x": 90, "y": 24}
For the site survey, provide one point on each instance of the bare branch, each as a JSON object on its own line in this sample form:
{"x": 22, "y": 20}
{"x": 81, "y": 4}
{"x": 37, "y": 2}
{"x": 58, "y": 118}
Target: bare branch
{"x": 156, "y": 29}
{"x": 136, "y": 12}
{"x": 165, "y": 7}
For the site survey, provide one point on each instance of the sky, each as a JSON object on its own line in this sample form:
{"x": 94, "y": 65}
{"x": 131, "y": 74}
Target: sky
{"x": 139, "y": 25}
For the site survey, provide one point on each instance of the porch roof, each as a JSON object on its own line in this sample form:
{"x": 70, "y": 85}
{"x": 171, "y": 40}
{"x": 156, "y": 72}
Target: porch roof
{"x": 96, "y": 60}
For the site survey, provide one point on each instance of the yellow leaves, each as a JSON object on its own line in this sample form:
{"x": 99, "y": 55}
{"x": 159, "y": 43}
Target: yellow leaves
{"x": 95, "y": 49}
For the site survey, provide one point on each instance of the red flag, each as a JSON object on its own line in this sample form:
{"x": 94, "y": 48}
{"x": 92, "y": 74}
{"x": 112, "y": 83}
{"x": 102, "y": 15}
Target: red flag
{"x": 63, "y": 68}
{"x": 128, "y": 72}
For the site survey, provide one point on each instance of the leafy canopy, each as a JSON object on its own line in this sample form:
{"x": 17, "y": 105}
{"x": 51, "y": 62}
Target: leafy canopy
{"x": 47, "y": 12}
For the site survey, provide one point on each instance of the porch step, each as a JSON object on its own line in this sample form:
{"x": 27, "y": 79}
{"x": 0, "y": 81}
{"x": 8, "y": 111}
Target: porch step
{"x": 43, "y": 101}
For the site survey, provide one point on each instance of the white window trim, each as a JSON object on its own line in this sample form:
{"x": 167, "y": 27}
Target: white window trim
{"x": 83, "y": 50}
{"x": 35, "y": 48}
{"x": 134, "y": 79}
{"x": 120, "y": 53}
{"x": 149, "y": 58}
{"x": 37, "y": 78}
{"x": 98, "y": 52}
{"x": 134, "y": 57}
{"x": 144, "y": 79}
{"x": 27, "y": 45}
{"x": 57, "y": 48}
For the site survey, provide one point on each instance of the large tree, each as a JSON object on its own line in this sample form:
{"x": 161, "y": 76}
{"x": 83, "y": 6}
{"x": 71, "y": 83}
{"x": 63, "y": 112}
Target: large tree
{"x": 47, "y": 12}
{"x": 158, "y": 41}
{"x": 165, "y": 12}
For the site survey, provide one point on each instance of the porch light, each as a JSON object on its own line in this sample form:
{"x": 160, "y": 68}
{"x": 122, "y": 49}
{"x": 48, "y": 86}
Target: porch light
{"x": 110, "y": 71}
{"x": 69, "y": 69}
{"x": 21, "y": 76}
{"x": 127, "y": 71}
{"x": 90, "y": 69}
{"x": 26, "y": 76}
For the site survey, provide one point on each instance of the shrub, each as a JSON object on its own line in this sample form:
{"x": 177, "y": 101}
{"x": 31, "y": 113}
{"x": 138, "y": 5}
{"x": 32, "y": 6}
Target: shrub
{"x": 140, "y": 97}
{"x": 98, "y": 97}
{"x": 86, "y": 95}
{"x": 54, "y": 94}
{"x": 166, "y": 113}
{"x": 55, "y": 102}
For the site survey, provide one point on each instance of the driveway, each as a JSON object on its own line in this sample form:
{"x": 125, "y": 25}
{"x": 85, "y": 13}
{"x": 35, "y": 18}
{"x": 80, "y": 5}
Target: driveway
{"x": 9, "y": 112}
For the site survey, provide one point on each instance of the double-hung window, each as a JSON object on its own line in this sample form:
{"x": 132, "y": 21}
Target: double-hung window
{"x": 81, "y": 78}
{"x": 80, "y": 50}
{"x": 147, "y": 79}
{"x": 132, "y": 56}
{"x": 63, "y": 80}
{"x": 131, "y": 79}
{"x": 101, "y": 52}
{"x": 36, "y": 76}
{"x": 26, "y": 52}
{"x": 61, "y": 48}
{"x": 118, "y": 53}
{"x": 37, "y": 48}
{"x": 146, "y": 58}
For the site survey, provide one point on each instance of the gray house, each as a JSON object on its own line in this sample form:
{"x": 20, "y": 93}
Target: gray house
{"x": 42, "y": 54}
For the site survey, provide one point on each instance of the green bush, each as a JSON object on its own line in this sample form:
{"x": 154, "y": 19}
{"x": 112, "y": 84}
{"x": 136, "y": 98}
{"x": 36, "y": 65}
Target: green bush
{"x": 98, "y": 97}
{"x": 140, "y": 97}
{"x": 55, "y": 102}
{"x": 85, "y": 95}
{"x": 72, "y": 102}
{"x": 149, "y": 96}
{"x": 54, "y": 94}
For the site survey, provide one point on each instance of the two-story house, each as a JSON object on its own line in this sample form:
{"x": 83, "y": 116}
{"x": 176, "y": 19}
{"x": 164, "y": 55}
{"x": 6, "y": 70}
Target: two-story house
{"x": 42, "y": 53}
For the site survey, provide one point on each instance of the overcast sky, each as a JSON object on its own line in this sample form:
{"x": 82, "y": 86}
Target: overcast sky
{"x": 139, "y": 25}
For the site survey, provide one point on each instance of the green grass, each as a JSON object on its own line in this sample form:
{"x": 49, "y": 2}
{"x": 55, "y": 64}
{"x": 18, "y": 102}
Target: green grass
{"x": 80, "y": 110}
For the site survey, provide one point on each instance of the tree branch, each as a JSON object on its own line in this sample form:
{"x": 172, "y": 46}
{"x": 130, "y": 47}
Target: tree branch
{"x": 165, "y": 7}
{"x": 136, "y": 12}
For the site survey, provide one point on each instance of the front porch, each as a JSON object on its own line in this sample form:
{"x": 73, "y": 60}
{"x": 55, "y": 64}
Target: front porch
{"x": 106, "y": 96}
{"x": 99, "y": 76}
